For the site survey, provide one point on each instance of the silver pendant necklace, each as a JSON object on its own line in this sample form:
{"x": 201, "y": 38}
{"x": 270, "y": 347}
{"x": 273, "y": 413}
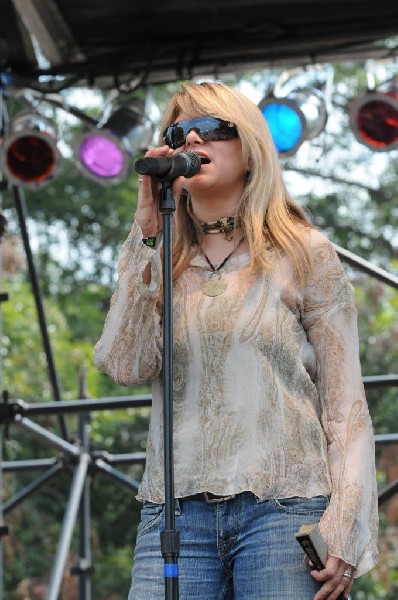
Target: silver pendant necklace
{"x": 216, "y": 284}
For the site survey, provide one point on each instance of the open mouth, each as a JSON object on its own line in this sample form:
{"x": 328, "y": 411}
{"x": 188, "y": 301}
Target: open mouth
{"x": 204, "y": 160}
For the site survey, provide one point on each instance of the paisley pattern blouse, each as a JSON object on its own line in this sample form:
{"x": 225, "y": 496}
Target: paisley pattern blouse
{"x": 267, "y": 386}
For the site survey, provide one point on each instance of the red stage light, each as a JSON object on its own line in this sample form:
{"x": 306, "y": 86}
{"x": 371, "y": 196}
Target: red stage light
{"x": 30, "y": 157}
{"x": 374, "y": 119}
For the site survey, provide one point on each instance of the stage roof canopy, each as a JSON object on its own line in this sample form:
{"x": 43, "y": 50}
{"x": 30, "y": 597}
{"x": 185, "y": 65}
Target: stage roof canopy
{"x": 104, "y": 43}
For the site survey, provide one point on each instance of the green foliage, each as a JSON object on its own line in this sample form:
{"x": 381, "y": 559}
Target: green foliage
{"x": 24, "y": 360}
{"x": 36, "y": 522}
{"x": 115, "y": 566}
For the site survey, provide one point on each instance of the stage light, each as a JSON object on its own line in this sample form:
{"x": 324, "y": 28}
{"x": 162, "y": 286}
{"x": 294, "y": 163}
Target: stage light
{"x": 374, "y": 118}
{"x": 29, "y": 154}
{"x": 299, "y": 116}
{"x": 105, "y": 152}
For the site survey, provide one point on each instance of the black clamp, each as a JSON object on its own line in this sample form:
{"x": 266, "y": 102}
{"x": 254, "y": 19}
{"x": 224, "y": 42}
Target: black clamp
{"x": 82, "y": 567}
{"x": 8, "y": 411}
{"x": 4, "y": 531}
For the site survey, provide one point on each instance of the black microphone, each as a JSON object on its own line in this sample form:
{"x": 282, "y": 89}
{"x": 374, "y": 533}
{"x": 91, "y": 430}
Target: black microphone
{"x": 167, "y": 168}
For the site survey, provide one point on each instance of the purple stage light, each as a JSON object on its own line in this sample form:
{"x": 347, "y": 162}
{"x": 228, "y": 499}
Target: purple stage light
{"x": 101, "y": 156}
{"x": 104, "y": 153}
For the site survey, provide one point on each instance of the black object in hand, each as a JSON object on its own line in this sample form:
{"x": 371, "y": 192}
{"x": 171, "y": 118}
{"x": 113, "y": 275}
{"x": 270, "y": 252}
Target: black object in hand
{"x": 167, "y": 168}
{"x": 310, "y": 539}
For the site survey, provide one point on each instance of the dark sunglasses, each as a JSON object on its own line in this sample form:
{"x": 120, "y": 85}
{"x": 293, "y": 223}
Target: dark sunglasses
{"x": 209, "y": 129}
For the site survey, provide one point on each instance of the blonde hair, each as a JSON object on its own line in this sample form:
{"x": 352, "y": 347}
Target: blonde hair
{"x": 270, "y": 218}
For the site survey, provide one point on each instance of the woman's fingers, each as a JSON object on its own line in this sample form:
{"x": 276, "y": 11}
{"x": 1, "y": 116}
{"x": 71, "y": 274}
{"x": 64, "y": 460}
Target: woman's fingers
{"x": 335, "y": 579}
{"x": 178, "y": 184}
{"x": 147, "y": 213}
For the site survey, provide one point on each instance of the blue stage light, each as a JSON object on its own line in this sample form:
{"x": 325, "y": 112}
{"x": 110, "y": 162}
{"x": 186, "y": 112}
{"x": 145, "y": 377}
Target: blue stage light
{"x": 285, "y": 125}
{"x": 292, "y": 120}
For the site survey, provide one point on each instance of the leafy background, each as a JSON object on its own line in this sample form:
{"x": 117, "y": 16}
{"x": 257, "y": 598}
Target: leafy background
{"x": 76, "y": 230}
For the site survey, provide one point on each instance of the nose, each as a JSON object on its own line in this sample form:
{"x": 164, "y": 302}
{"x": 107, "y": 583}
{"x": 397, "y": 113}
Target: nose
{"x": 192, "y": 138}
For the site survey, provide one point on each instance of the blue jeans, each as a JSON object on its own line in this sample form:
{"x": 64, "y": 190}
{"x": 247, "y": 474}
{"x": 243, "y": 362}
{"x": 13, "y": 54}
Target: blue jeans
{"x": 239, "y": 549}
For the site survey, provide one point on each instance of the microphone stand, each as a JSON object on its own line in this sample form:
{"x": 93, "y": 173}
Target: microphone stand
{"x": 166, "y": 169}
{"x": 169, "y": 538}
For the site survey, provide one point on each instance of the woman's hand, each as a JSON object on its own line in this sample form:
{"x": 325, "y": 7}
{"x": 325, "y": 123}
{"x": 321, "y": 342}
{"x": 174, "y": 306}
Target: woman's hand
{"x": 334, "y": 583}
{"x": 147, "y": 214}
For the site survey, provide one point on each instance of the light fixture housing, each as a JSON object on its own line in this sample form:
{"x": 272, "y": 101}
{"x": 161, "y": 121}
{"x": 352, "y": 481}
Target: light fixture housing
{"x": 299, "y": 116}
{"x": 104, "y": 153}
{"x": 29, "y": 154}
{"x": 374, "y": 117}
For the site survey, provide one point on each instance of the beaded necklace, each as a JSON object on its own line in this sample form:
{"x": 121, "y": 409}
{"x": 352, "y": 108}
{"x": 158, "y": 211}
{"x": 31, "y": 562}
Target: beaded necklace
{"x": 225, "y": 225}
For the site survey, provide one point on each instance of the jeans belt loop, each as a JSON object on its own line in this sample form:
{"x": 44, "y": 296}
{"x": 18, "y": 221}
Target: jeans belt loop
{"x": 215, "y": 500}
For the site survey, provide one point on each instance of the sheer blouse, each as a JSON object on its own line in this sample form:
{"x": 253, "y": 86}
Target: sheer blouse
{"x": 267, "y": 386}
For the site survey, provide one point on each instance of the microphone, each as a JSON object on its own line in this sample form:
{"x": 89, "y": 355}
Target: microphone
{"x": 167, "y": 168}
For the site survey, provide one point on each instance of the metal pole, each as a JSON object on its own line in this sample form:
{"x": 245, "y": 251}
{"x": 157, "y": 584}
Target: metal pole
{"x": 21, "y": 211}
{"x": 103, "y": 467}
{"x": 134, "y": 458}
{"x": 378, "y": 381}
{"x": 84, "y": 569}
{"x": 47, "y": 436}
{"x": 68, "y": 526}
{"x": 141, "y": 401}
{"x": 388, "y": 492}
{"x": 34, "y": 464}
{"x": 3, "y": 529}
{"x": 32, "y": 487}
{"x": 367, "y": 267}
{"x": 74, "y": 406}
{"x": 170, "y": 538}
{"x": 386, "y": 438}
